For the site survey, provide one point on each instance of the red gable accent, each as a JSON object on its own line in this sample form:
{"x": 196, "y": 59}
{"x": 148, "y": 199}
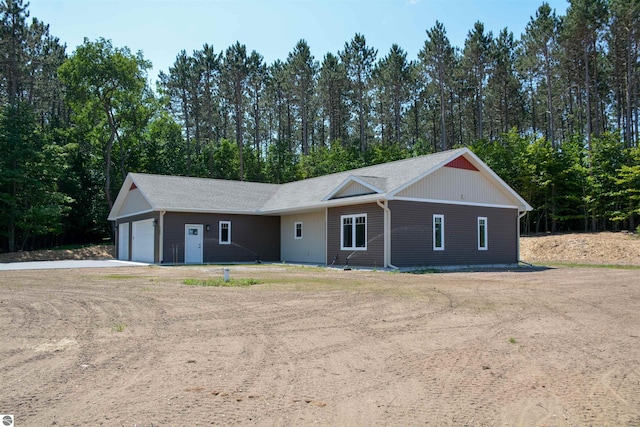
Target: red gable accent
{"x": 461, "y": 163}
{"x": 133, "y": 187}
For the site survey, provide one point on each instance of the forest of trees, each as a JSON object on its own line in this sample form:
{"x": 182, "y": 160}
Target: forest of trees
{"x": 553, "y": 112}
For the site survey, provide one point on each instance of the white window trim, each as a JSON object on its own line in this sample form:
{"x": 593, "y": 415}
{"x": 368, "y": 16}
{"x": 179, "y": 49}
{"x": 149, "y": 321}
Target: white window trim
{"x": 220, "y": 224}
{"x": 436, "y": 216}
{"x": 353, "y": 231}
{"x": 295, "y": 230}
{"x": 486, "y": 234}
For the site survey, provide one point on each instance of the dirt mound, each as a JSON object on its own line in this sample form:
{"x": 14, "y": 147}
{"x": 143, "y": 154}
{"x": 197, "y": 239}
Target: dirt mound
{"x": 582, "y": 248}
{"x": 89, "y": 252}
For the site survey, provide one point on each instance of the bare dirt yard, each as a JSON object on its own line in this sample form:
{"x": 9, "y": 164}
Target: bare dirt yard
{"x": 315, "y": 346}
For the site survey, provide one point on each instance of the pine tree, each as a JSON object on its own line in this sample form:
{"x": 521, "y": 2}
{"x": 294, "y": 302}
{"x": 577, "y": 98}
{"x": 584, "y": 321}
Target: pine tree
{"x": 359, "y": 60}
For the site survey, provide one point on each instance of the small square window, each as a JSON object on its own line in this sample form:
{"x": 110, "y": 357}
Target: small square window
{"x": 298, "y": 230}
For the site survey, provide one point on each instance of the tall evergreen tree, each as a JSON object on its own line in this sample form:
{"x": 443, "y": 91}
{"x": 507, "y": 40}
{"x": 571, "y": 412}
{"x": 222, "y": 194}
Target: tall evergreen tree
{"x": 302, "y": 70}
{"x": 437, "y": 58}
{"x": 477, "y": 63}
{"x": 540, "y": 57}
{"x": 332, "y": 88}
{"x": 393, "y": 79}
{"x": 624, "y": 52}
{"x": 235, "y": 73}
{"x": 359, "y": 60}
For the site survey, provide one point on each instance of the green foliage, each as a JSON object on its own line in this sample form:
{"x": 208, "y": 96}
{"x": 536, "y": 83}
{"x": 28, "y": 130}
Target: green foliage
{"x": 627, "y": 184}
{"x": 326, "y": 160}
{"x": 219, "y": 282}
{"x": 107, "y": 90}
{"x": 30, "y": 202}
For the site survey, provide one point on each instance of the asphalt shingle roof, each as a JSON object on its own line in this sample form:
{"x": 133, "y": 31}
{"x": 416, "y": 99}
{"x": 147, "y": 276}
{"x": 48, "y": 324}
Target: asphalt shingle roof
{"x": 175, "y": 193}
{"x": 387, "y": 177}
{"x": 166, "y": 192}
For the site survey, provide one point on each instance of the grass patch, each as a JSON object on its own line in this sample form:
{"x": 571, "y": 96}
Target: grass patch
{"x": 424, "y": 271}
{"x": 118, "y": 327}
{"x": 220, "y": 282}
{"x": 512, "y": 340}
{"x": 578, "y": 265}
{"x": 120, "y": 276}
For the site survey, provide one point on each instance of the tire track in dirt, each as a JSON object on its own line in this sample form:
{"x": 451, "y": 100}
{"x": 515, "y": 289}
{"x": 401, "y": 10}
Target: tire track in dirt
{"x": 409, "y": 350}
{"x": 582, "y": 390}
{"x": 85, "y": 320}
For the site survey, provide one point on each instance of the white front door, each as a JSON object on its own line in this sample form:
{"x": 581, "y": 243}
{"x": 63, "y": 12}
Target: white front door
{"x": 123, "y": 241}
{"x": 193, "y": 244}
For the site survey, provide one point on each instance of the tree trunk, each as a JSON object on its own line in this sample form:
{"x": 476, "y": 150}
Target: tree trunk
{"x": 443, "y": 130}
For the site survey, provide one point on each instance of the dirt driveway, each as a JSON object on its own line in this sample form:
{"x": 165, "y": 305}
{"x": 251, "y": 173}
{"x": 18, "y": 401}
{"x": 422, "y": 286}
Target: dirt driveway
{"x": 135, "y": 346}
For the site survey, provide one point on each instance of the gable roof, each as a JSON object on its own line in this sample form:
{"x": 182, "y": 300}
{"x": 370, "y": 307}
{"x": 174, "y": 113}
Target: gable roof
{"x": 173, "y": 193}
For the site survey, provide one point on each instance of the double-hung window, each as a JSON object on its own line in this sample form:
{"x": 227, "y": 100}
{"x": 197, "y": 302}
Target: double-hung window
{"x": 353, "y": 232}
{"x": 438, "y": 232}
{"x": 297, "y": 230}
{"x": 483, "y": 238}
{"x": 224, "y": 232}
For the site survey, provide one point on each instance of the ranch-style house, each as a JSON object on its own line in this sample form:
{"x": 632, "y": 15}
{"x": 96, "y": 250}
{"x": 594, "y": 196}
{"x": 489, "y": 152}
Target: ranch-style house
{"x": 443, "y": 209}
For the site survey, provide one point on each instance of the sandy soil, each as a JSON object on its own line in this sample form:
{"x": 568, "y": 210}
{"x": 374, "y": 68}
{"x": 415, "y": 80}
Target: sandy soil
{"x": 581, "y": 248}
{"x": 89, "y": 252}
{"x": 137, "y": 347}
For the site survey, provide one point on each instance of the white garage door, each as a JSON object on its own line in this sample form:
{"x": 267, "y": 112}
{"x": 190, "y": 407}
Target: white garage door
{"x": 123, "y": 241}
{"x": 143, "y": 241}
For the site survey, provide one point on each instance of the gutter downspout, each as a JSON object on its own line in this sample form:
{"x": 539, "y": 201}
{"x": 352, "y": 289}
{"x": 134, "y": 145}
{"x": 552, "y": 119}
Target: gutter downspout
{"x": 161, "y": 237}
{"x": 518, "y": 245}
{"x": 387, "y": 234}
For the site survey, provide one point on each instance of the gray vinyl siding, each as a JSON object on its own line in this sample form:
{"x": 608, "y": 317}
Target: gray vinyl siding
{"x": 131, "y": 220}
{"x": 374, "y": 255}
{"x": 312, "y": 247}
{"x": 252, "y": 236}
{"x": 412, "y": 234}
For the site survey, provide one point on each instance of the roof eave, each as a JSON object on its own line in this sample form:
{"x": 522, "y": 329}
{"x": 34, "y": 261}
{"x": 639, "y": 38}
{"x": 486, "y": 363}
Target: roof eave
{"x": 345, "y": 201}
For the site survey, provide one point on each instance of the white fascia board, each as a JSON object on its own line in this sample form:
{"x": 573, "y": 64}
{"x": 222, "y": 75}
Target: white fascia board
{"x": 122, "y": 195}
{"x": 131, "y": 214}
{"x": 213, "y": 211}
{"x": 372, "y": 198}
{"x": 350, "y": 179}
{"x": 454, "y": 202}
{"x": 347, "y": 201}
{"x": 476, "y": 161}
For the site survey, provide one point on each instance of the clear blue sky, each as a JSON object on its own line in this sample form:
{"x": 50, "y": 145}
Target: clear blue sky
{"x": 162, "y": 28}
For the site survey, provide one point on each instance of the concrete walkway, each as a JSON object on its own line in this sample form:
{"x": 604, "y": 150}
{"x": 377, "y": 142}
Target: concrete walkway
{"x": 46, "y": 265}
